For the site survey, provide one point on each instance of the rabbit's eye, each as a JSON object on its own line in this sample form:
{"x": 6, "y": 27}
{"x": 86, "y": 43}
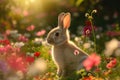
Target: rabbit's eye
{"x": 56, "y": 34}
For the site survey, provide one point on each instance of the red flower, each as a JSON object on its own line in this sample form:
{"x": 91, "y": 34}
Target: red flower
{"x": 112, "y": 63}
{"x": 91, "y": 61}
{"x": 109, "y": 65}
{"x": 36, "y": 54}
{"x": 3, "y": 50}
{"x": 30, "y": 59}
{"x": 87, "y": 29}
{"x": 87, "y": 78}
{"x": 88, "y": 23}
{"x": 5, "y": 42}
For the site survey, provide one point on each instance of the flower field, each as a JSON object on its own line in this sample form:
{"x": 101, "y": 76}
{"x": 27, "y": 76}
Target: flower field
{"x": 26, "y": 55}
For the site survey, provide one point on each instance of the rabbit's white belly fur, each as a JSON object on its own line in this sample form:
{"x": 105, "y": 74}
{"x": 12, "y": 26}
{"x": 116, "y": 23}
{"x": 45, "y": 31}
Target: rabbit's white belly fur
{"x": 58, "y": 57}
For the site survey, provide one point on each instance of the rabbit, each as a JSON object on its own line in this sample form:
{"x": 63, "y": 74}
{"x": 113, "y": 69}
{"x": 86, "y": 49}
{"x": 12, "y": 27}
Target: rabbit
{"x": 63, "y": 49}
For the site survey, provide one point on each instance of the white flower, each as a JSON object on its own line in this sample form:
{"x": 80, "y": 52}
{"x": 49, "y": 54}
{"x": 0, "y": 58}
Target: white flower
{"x": 30, "y": 54}
{"x": 15, "y": 35}
{"x": 86, "y": 45}
{"x": 77, "y": 39}
{"x": 94, "y": 11}
{"x": 111, "y": 46}
{"x": 45, "y": 43}
{"x": 20, "y": 74}
{"x": 38, "y": 67}
{"x": 19, "y": 44}
{"x": 87, "y": 14}
{"x": 13, "y": 31}
{"x": 98, "y": 36}
{"x": 27, "y": 35}
{"x": 38, "y": 40}
{"x": 117, "y": 52}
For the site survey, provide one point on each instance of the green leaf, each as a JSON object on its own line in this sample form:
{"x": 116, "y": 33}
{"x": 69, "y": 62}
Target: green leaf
{"x": 79, "y": 2}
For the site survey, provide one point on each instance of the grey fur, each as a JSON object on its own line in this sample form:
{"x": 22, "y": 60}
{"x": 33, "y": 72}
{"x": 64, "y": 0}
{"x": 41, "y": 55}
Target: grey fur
{"x": 63, "y": 49}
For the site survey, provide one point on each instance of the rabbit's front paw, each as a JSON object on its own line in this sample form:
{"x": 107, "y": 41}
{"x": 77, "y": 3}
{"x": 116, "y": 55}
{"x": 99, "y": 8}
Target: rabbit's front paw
{"x": 59, "y": 72}
{"x": 64, "y": 73}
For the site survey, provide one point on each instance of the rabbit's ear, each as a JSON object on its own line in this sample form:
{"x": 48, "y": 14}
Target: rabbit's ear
{"x": 66, "y": 21}
{"x": 60, "y": 19}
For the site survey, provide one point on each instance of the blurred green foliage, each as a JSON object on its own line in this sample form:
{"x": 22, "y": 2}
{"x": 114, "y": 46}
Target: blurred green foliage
{"x": 19, "y": 14}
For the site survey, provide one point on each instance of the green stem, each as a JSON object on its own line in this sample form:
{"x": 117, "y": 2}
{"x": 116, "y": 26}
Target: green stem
{"x": 93, "y": 32}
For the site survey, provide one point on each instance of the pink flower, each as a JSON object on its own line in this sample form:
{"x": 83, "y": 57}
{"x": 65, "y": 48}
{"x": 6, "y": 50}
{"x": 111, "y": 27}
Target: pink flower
{"x": 17, "y": 62}
{"x": 6, "y": 49}
{"x": 7, "y": 32}
{"x": 109, "y": 65}
{"x": 113, "y": 33}
{"x": 112, "y": 63}
{"x": 30, "y": 28}
{"x": 3, "y": 50}
{"x": 23, "y": 38}
{"x": 91, "y": 61}
{"x": 25, "y": 13}
{"x": 76, "y": 52}
{"x": 40, "y": 33}
{"x": 9, "y": 49}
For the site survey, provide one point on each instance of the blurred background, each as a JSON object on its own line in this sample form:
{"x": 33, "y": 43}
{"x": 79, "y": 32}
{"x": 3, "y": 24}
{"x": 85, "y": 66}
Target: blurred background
{"x": 35, "y": 18}
{"x": 19, "y": 14}
{"x": 24, "y": 25}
